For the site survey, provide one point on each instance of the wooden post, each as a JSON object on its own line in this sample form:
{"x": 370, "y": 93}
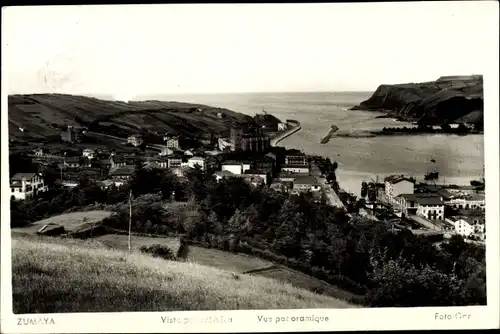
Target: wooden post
{"x": 130, "y": 223}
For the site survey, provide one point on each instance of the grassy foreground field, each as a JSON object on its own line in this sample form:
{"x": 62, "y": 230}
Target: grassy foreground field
{"x": 207, "y": 257}
{"x": 64, "y": 275}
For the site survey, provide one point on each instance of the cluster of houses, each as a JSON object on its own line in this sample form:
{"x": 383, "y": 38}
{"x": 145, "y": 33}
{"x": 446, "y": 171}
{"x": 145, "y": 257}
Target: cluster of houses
{"x": 400, "y": 193}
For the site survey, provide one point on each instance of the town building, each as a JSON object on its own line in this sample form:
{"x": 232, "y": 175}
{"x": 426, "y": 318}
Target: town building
{"x": 71, "y": 135}
{"x": 428, "y": 206}
{"x": 306, "y": 183}
{"x": 396, "y": 185}
{"x": 265, "y": 163}
{"x": 26, "y": 185}
{"x": 157, "y": 162}
{"x": 296, "y": 159}
{"x": 301, "y": 169}
{"x": 468, "y": 226}
{"x": 135, "y": 140}
{"x": 110, "y": 182}
{"x": 467, "y": 201}
{"x": 189, "y": 153}
{"x": 88, "y": 153}
{"x": 196, "y": 161}
{"x": 122, "y": 173}
{"x": 171, "y": 141}
{"x": 174, "y": 161}
{"x": 255, "y": 143}
{"x": 235, "y": 139}
{"x": 117, "y": 161}
{"x": 235, "y": 167}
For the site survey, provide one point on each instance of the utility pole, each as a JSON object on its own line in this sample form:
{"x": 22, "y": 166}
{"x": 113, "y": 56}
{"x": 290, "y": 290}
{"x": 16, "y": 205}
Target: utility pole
{"x": 130, "y": 223}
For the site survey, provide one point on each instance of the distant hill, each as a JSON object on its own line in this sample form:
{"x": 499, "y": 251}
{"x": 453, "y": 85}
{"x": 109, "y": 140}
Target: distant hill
{"x": 87, "y": 277}
{"x": 446, "y": 100}
{"x": 38, "y": 117}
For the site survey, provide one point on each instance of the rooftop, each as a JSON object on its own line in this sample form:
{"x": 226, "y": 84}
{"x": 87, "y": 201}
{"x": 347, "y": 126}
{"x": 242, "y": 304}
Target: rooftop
{"x": 306, "y": 179}
{"x": 21, "y": 176}
{"x": 255, "y": 171}
{"x": 295, "y": 166}
{"x": 424, "y": 199}
{"x": 224, "y": 173}
{"x": 125, "y": 170}
{"x": 398, "y": 178}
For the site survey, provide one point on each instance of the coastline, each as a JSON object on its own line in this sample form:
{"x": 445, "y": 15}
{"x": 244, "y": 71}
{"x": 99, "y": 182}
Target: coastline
{"x": 295, "y": 126}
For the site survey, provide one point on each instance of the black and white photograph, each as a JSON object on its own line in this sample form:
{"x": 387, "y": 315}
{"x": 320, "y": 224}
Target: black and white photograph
{"x": 304, "y": 159}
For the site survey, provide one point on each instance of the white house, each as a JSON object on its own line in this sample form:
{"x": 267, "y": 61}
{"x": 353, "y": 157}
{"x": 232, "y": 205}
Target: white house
{"x": 193, "y": 161}
{"x": 295, "y": 168}
{"x": 189, "y": 153}
{"x": 306, "y": 183}
{"x": 282, "y": 126}
{"x": 26, "y": 185}
{"x": 135, "y": 140}
{"x": 171, "y": 141}
{"x": 428, "y": 206}
{"x": 88, "y": 153}
{"x": 469, "y": 201}
{"x": 174, "y": 162}
{"x": 396, "y": 185}
{"x": 234, "y": 167}
{"x": 467, "y": 226}
{"x": 431, "y": 207}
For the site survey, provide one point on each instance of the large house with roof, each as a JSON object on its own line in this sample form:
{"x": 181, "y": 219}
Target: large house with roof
{"x": 396, "y": 185}
{"x": 122, "y": 173}
{"x": 26, "y": 185}
{"x": 467, "y": 226}
{"x": 428, "y": 206}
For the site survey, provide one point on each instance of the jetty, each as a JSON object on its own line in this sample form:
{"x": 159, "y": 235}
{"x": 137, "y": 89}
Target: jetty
{"x": 293, "y": 126}
{"x": 333, "y": 129}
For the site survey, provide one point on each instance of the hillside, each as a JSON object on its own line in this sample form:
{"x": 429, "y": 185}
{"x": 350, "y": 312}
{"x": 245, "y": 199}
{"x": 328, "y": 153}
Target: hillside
{"x": 445, "y": 100}
{"x": 42, "y": 116}
{"x": 86, "y": 277}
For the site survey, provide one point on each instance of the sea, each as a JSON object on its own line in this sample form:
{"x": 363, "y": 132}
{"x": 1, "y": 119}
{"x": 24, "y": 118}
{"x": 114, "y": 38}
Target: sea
{"x": 458, "y": 159}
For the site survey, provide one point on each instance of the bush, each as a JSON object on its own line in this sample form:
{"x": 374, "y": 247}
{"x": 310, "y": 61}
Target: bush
{"x": 158, "y": 250}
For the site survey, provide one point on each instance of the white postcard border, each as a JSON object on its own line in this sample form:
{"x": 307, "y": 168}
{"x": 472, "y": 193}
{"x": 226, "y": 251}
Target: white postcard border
{"x": 472, "y": 317}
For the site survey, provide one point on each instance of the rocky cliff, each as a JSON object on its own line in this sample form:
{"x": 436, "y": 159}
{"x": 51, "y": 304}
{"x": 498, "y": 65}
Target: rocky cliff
{"x": 446, "y": 100}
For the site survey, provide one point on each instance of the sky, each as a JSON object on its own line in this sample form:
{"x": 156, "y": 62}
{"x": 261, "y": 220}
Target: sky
{"x": 128, "y": 51}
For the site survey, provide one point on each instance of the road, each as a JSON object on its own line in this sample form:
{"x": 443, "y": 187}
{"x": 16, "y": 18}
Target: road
{"x": 330, "y": 194}
{"x": 424, "y": 222}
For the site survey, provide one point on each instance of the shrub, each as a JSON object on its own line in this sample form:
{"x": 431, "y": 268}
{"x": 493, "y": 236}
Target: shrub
{"x": 158, "y": 250}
